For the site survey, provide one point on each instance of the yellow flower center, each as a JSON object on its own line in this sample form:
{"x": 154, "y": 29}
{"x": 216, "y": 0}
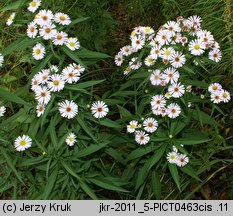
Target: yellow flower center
{"x": 224, "y": 95}
{"x": 33, "y": 4}
{"x": 132, "y": 126}
{"x": 48, "y": 30}
{"x": 44, "y": 77}
{"x": 72, "y": 44}
{"x": 147, "y": 30}
{"x": 59, "y": 37}
{"x": 56, "y": 82}
{"x": 167, "y": 52}
{"x": 71, "y": 139}
{"x": 196, "y": 47}
{"x": 32, "y": 29}
{"x": 22, "y": 143}
{"x": 150, "y": 124}
{"x": 62, "y": 18}
{"x": 214, "y": 87}
{"x": 150, "y": 60}
{"x": 37, "y": 51}
{"x": 172, "y": 157}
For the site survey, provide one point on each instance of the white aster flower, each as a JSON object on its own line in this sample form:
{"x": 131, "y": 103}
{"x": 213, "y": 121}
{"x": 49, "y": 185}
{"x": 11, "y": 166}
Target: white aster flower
{"x": 173, "y": 110}
{"x": 43, "y": 76}
{"x": 99, "y": 109}
{"x": 38, "y": 51}
{"x": 141, "y": 137}
{"x": 23, "y": 142}
{"x": 56, "y": 83}
{"x": 70, "y": 75}
{"x": 62, "y": 18}
{"x": 182, "y": 160}
{"x": 71, "y": 139}
{"x": 33, "y": 6}
{"x": 194, "y": 21}
{"x": 170, "y": 75}
{"x": 2, "y": 110}
{"x": 176, "y": 90}
{"x": 150, "y": 125}
{"x": 68, "y": 109}
{"x": 119, "y": 59}
{"x": 166, "y": 53}
{"x": 164, "y": 37}
{"x": 149, "y": 61}
{"x": 43, "y": 95}
{"x": 172, "y": 157}
{"x": 72, "y": 43}
{"x": 216, "y": 97}
{"x": 196, "y": 47}
{"x": 214, "y": 87}
{"x": 48, "y": 31}
{"x": 158, "y": 101}
{"x": 138, "y": 43}
{"x": 215, "y": 55}
{"x": 32, "y": 30}
{"x": 155, "y": 51}
{"x": 44, "y": 17}
{"x": 126, "y": 50}
{"x": 35, "y": 82}
{"x": 177, "y": 59}
{"x": 1, "y": 59}
{"x": 155, "y": 77}
{"x": 10, "y": 19}
{"x": 172, "y": 27}
{"x": 226, "y": 97}
{"x": 60, "y": 38}
{"x": 40, "y": 109}
{"x": 132, "y": 126}
{"x": 79, "y": 68}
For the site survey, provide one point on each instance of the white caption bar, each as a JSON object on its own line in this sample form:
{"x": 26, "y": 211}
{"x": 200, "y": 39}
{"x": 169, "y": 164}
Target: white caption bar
{"x": 112, "y": 208}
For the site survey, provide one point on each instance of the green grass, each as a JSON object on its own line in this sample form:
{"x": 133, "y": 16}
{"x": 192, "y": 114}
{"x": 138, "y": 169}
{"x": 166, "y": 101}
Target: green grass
{"x": 106, "y": 163}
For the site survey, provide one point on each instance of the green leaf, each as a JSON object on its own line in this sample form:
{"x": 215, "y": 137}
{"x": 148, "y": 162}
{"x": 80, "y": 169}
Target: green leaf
{"x": 73, "y": 55}
{"x": 13, "y": 6}
{"x": 12, "y": 97}
{"x": 79, "y": 20}
{"x": 125, "y": 114}
{"x": 87, "y": 84}
{"x": 174, "y": 173}
{"x": 90, "y": 150}
{"x": 107, "y": 185}
{"x": 87, "y": 54}
{"x": 190, "y": 171}
{"x": 116, "y": 155}
{"x": 83, "y": 185}
{"x": 142, "y": 175}
{"x": 203, "y": 117}
{"x": 109, "y": 123}
{"x": 20, "y": 44}
{"x": 156, "y": 185}
{"x": 192, "y": 139}
{"x": 85, "y": 128}
{"x": 11, "y": 165}
{"x": 50, "y": 183}
{"x": 140, "y": 152}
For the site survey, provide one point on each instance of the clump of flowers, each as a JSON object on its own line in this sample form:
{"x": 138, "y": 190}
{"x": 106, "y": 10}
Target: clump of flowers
{"x": 218, "y": 94}
{"x": 47, "y": 26}
{"x": 165, "y": 53}
{"x": 174, "y": 157}
{"x": 49, "y": 81}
